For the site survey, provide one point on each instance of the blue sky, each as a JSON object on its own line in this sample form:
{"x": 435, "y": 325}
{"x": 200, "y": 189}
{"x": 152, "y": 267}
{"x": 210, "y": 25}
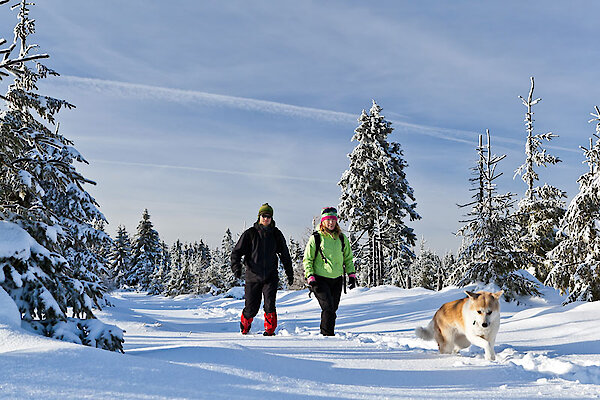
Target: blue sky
{"x": 201, "y": 111}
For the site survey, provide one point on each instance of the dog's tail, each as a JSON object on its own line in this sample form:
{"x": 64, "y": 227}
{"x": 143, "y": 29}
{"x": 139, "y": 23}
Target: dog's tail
{"x": 425, "y": 333}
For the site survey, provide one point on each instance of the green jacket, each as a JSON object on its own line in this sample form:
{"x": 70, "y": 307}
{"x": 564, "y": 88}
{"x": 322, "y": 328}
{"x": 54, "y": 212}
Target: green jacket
{"x": 332, "y": 248}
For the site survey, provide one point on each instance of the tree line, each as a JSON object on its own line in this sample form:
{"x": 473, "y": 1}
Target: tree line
{"x": 516, "y": 245}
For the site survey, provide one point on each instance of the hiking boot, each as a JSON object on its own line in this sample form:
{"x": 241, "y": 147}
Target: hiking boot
{"x": 265, "y": 333}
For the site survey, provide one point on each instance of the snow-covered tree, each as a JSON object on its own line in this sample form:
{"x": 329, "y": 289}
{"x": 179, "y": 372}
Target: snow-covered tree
{"x": 400, "y": 271}
{"x": 146, "y": 253}
{"x": 488, "y": 253}
{"x": 190, "y": 270}
{"x": 426, "y": 268}
{"x": 182, "y": 279}
{"x": 227, "y": 278}
{"x": 42, "y": 193}
{"x": 119, "y": 260}
{"x": 376, "y": 197}
{"x": 541, "y": 209}
{"x": 297, "y": 255}
{"x": 172, "y": 279}
{"x": 84, "y": 240}
{"x": 576, "y": 260}
{"x": 448, "y": 267}
{"x": 218, "y": 275}
{"x": 161, "y": 272}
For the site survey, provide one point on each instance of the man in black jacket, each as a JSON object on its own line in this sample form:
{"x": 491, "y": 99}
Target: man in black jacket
{"x": 261, "y": 245}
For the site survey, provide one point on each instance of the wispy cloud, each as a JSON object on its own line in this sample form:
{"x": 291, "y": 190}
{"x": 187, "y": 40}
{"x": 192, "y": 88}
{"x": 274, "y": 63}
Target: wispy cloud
{"x": 214, "y": 171}
{"x": 148, "y": 92}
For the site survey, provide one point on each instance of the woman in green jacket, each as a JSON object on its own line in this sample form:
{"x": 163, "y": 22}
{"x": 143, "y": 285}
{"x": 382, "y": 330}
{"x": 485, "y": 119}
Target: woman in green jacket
{"x": 324, "y": 267}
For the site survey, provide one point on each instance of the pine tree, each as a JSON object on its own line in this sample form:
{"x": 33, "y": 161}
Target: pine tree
{"x": 576, "y": 260}
{"x": 487, "y": 254}
{"x": 447, "y": 270}
{"x": 159, "y": 277}
{"x": 146, "y": 254}
{"x": 376, "y": 197}
{"x": 119, "y": 260}
{"x": 425, "y": 268}
{"x": 172, "y": 285}
{"x": 182, "y": 279}
{"x": 227, "y": 278}
{"x": 42, "y": 194}
{"x": 83, "y": 240}
{"x": 297, "y": 255}
{"x": 212, "y": 277}
{"x": 542, "y": 207}
{"x": 190, "y": 270}
{"x": 203, "y": 259}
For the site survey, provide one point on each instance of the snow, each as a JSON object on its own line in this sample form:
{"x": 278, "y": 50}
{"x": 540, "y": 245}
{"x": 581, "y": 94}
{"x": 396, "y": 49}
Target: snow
{"x": 189, "y": 347}
{"x": 9, "y": 312}
{"x": 16, "y": 242}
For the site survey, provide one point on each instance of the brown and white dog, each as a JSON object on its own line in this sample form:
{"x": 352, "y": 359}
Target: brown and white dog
{"x": 460, "y": 323}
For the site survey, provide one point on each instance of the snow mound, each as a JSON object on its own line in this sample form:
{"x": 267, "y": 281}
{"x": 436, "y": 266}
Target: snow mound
{"x": 579, "y": 371}
{"x": 9, "y": 313}
{"x": 236, "y": 292}
{"x": 16, "y": 242}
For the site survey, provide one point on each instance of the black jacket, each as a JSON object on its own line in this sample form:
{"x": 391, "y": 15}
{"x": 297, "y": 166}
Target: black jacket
{"x": 260, "y": 247}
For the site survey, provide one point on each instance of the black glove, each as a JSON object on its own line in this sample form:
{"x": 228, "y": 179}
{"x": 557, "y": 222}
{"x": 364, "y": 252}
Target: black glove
{"x": 290, "y": 280}
{"x": 352, "y": 282}
{"x": 312, "y": 281}
{"x": 237, "y": 273}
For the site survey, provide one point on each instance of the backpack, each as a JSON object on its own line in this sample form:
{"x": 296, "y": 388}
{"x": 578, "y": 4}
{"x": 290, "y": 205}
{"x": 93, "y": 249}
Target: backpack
{"x": 319, "y": 250}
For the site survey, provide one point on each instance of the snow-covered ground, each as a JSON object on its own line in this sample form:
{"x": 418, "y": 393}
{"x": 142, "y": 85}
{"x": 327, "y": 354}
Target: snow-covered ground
{"x": 190, "y": 348}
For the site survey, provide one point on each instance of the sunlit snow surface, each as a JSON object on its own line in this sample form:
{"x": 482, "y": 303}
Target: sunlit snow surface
{"x": 190, "y": 348}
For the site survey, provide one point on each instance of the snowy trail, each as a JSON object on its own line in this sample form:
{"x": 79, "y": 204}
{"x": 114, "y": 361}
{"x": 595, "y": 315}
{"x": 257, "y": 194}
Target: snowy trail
{"x": 190, "y": 347}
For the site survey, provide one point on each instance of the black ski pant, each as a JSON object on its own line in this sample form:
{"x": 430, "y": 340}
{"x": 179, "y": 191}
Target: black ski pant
{"x": 328, "y": 292}
{"x": 255, "y": 291}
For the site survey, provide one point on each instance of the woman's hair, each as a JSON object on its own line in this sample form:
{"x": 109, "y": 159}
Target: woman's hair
{"x": 336, "y": 231}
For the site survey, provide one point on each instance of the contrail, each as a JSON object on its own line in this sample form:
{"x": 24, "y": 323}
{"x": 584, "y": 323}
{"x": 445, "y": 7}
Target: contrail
{"x": 215, "y": 171}
{"x": 148, "y": 92}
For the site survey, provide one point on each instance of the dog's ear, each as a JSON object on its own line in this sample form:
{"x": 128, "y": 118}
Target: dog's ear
{"x": 472, "y": 295}
{"x": 498, "y": 294}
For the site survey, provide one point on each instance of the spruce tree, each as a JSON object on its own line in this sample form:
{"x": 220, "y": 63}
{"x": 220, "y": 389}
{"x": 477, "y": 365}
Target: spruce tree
{"x": 227, "y": 278}
{"x": 297, "y": 256}
{"x": 425, "y": 268}
{"x": 119, "y": 259}
{"x": 204, "y": 259}
{"x": 376, "y": 197}
{"x": 146, "y": 254}
{"x": 213, "y": 275}
{"x": 172, "y": 284}
{"x": 576, "y": 260}
{"x": 488, "y": 253}
{"x": 161, "y": 272}
{"x": 447, "y": 270}
{"x": 541, "y": 209}
{"x": 43, "y": 202}
{"x": 400, "y": 271}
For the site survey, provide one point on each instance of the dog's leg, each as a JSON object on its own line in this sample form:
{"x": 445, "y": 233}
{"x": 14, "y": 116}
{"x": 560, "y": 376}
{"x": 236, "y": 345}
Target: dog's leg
{"x": 444, "y": 345}
{"x": 487, "y": 347}
{"x": 461, "y": 342}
